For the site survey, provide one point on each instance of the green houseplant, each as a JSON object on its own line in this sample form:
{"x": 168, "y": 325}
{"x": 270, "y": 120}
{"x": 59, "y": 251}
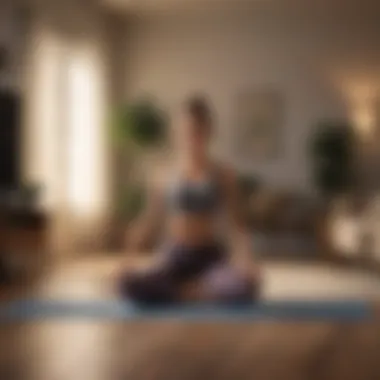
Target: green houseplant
{"x": 332, "y": 157}
{"x": 332, "y": 162}
{"x": 140, "y": 124}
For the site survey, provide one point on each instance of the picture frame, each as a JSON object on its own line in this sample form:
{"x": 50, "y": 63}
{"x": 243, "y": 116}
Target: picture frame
{"x": 259, "y": 120}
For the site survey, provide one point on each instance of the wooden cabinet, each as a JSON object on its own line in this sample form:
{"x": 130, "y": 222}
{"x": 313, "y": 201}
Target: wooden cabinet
{"x": 22, "y": 243}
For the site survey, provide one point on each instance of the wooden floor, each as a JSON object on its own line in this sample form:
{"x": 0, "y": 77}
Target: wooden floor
{"x": 180, "y": 350}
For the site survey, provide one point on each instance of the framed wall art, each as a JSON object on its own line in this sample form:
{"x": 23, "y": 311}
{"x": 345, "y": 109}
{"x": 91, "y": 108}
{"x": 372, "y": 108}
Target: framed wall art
{"x": 258, "y": 124}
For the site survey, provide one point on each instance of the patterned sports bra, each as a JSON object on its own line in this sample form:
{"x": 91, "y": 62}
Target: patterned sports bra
{"x": 196, "y": 197}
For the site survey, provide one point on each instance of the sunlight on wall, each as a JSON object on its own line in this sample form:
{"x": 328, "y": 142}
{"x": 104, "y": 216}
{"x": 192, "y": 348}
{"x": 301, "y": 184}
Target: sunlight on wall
{"x": 45, "y": 110}
{"x": 362, "y": 96}
{"x": 86, "y": 182}
{"x": 364, "y": 111}
{"x": 364, "y": 119}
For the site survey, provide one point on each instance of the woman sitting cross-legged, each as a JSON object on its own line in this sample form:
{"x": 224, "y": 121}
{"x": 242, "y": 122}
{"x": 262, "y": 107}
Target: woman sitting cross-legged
{"x": 207, "y": 255}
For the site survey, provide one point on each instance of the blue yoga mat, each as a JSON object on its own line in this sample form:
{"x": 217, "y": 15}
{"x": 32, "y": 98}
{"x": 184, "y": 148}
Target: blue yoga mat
{"x": 31, "y": 309}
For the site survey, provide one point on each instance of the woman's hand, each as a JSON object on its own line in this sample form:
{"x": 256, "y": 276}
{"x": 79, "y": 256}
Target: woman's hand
{"x": 138, "y": 234}
{"x": 244, "y": 263}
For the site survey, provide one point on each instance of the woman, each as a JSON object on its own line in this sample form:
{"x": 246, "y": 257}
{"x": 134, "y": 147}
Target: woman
{"x": 202, "y": 204}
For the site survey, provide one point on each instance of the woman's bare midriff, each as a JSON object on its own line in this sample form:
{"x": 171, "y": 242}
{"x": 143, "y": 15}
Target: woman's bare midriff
{"x": 192, "y": 229}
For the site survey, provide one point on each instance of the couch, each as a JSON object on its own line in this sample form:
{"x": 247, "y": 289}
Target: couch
{"x": 282, "y": 221}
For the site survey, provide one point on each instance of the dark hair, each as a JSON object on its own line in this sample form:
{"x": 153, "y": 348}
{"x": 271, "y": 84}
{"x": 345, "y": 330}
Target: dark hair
{"x": 199, "y": 109}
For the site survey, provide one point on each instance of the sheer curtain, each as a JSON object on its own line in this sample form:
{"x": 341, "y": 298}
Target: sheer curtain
{"x": 85, "y": 153}
{"x": 66, "y": 144}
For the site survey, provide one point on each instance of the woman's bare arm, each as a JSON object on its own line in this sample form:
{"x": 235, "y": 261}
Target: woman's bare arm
{"x": 146, "y": 223}
{"x": 240, "y": 235}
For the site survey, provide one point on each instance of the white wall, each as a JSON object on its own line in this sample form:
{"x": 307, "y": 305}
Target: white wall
{"x": 322, "y": 65}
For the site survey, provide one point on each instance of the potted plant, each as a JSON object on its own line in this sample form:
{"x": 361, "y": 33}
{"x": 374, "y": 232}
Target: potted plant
{"x": 332, "y": 161}
{"x": 140, "y": 125}
{"x": 332, "y": 158}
